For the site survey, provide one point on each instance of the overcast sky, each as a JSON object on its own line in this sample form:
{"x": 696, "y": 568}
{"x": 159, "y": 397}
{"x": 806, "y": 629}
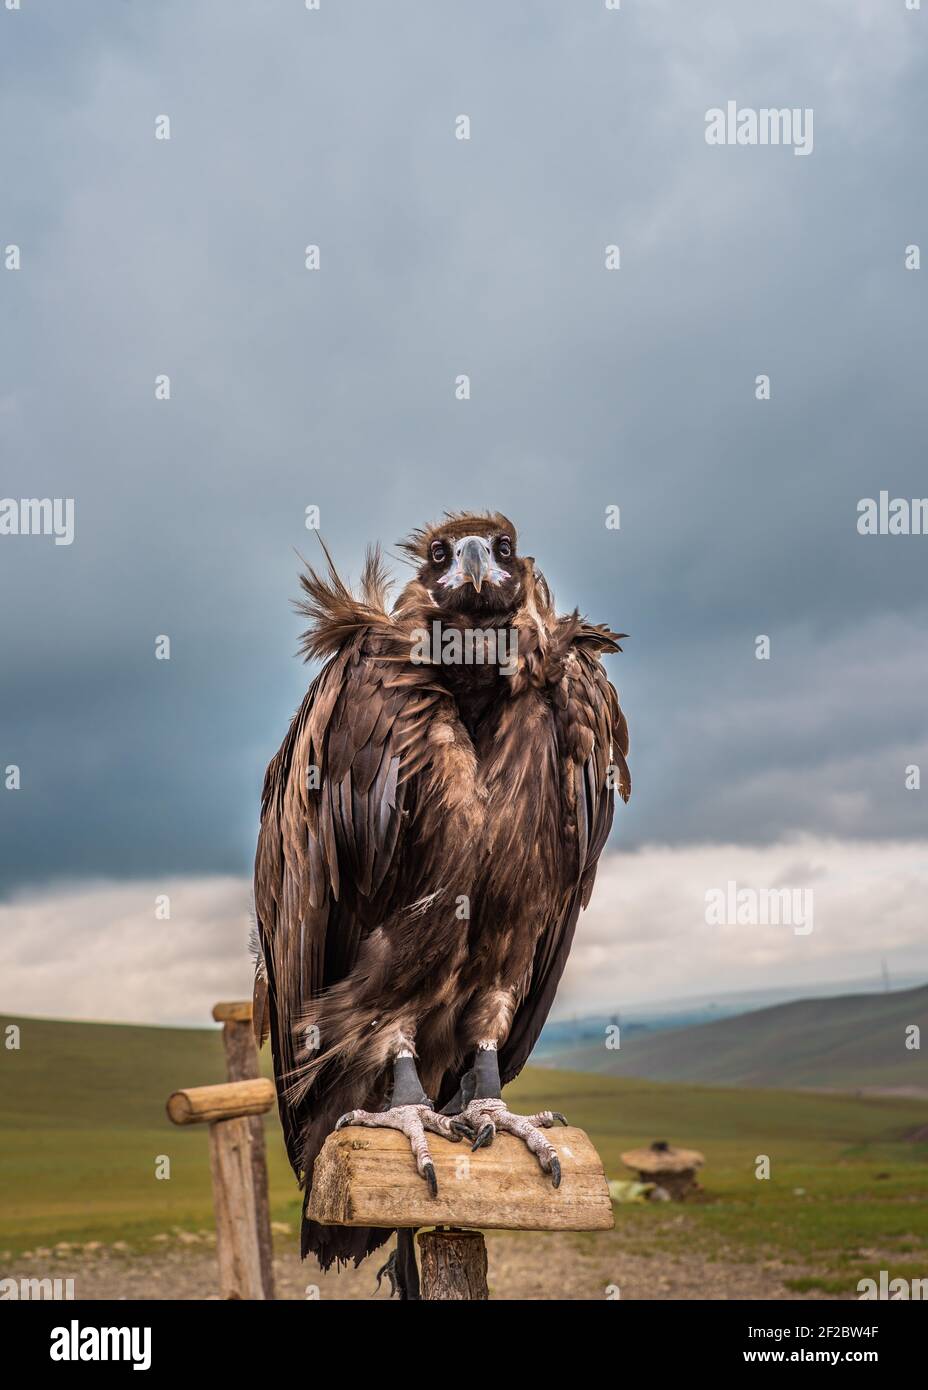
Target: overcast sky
{"x": 590, "y": 388}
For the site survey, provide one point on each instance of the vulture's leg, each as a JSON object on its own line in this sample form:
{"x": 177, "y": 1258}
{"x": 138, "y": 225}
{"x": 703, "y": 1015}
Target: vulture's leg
{"x": 487, "y": 1113}
{"x": 409, "y": 1111}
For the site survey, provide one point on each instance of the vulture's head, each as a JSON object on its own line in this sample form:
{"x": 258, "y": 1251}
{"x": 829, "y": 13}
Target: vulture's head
{"x": 469, "y": 565}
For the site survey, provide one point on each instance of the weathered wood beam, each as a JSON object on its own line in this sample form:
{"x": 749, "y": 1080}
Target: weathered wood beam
{"x": 231, "y": 1100}
{"x": 367, "y": 1177}
{"x": 238, "y": 1011}
{"x": 238, "y": 1250}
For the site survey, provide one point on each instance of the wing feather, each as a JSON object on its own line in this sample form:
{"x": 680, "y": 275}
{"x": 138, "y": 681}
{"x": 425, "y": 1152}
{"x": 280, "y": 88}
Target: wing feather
{"x": 593, "y": 737}
{"x": 324, "y": 854}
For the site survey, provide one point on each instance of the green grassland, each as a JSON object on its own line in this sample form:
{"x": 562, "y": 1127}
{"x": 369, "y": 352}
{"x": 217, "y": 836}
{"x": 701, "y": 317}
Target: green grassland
{"x": 82, "y": 1126}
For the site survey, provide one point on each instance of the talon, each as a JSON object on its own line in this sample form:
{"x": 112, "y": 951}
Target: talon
{"x": 388, "y": 1270}
{"x": 428, "y": 1172}
{"x": 346, "y": 1119}
{"x": 485, "y": 1137}
{"x": 490, "y": 1116}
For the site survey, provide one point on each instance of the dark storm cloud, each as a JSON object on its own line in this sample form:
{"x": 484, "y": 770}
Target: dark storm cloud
{"x": 336, "y": 388}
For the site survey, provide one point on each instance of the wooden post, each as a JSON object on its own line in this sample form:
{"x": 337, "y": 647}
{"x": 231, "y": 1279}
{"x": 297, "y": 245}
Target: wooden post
{"x": 453, "y": 1265}
{"x": 229, "y": 1111}
{"x": 237, "y": 1248}
{"x": 242, "y": 1065}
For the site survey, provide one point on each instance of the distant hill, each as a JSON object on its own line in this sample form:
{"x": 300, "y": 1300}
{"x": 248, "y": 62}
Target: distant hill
{"x": 850, "y": 1042}
{"x": 588, "y": 1030}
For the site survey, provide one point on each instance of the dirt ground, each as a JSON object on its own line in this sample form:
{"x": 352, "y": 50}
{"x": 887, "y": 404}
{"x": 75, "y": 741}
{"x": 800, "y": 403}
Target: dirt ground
{"x": 539, "y": 1266}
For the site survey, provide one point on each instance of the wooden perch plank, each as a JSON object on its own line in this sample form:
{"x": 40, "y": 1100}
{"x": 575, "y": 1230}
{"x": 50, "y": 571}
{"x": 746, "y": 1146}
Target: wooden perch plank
{"x": 367, "y": 1177}
{"x": 203, "y": 1104}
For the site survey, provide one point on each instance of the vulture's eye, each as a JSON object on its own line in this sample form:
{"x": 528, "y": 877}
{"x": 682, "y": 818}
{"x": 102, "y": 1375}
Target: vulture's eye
{"x": 504, "y": 547}
{"x": 438, "y": 552}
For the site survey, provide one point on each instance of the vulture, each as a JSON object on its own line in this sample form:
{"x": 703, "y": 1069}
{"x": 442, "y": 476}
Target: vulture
{"x": 430, "y": 830}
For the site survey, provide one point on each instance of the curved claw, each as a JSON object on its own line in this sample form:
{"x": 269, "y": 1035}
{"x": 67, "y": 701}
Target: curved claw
{"x": 345, "y": 1119}
{"x": 558, "y": 1116}
{"x": 485, "y": 1137}
{"x": 463, "y": 1129}
{"x": 555, "y": 1171}
{"x": 428, "y": 1172}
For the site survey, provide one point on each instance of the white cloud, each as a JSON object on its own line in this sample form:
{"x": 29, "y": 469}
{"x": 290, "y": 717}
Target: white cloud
{"x": 98, "y": 952}
{"x": 644, "y": 935}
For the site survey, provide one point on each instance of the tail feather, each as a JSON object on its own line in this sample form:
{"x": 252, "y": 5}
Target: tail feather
{"x": 339, "y": 1244}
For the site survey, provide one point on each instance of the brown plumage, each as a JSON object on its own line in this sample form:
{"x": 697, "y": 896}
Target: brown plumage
{"x": 421, "y": 889}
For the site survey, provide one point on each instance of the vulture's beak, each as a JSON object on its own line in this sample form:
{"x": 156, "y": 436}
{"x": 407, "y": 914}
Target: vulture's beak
{"x": 473, "y": 564}
{"x": 475, "y": 560}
